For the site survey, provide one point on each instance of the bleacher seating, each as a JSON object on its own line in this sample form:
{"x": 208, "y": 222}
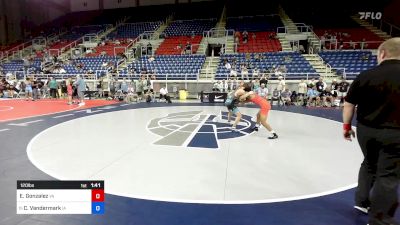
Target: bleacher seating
{"x": 56, "y": 46}
{"x": 132, "y": 30}
{"x": 297, "y": 64}
{"x": 254, "y": 23}
{"x": 189, "y": 27}
{"x": 198, "y": 10}
{"x": 176, "y": 45}
{"x": 80, "y": 31}
{"x": 250, "y": 8}
{"x": 171, "y": 67}
{"x": 354, "y": 62}
{"x": 91, "y": 63}
{"x": 261, "y": 43}
{"x": 355, "y": 35}
{"x": 109, "y": 49}
{"x": 13, "y": 66}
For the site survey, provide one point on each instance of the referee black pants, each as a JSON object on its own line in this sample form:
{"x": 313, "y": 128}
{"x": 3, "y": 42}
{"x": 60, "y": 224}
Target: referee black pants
{"x": 379, "y": 175}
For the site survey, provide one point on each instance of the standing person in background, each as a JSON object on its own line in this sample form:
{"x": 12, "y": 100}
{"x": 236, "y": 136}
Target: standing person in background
{"x": 52, "y": 84}
{"x": 225, "y": 85}
{"x": 378, "y": 134}
{"x": 281, "y": 84}
{"x": 343, "y": 88}
{"x": 68, "y": 83}
{"x": 139, "y": 88}
{"x": 302, "y": 90}
{"x": 80, "y": 85}
{"x": 256, "y": 85}
{"x": 28, "y": 89}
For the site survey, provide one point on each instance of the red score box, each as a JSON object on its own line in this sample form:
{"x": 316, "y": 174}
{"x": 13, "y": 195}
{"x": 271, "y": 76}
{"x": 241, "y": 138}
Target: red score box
{"x": 97, "y": 195}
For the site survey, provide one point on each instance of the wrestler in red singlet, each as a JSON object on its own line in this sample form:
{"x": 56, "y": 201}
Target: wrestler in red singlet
{"x": 264, "y": 109}
{"x": 262, "y": 102}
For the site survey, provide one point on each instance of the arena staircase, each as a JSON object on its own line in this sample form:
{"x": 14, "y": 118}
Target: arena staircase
{"x": 203, "y": 47}
{"x": 287, "y": 22}
{"x": 291, "y": 29}
{"x": 154, "y": 40}
{"x": 322, "y": 68}
{"x": 284, "y": 43}
{"x": 370, "y": 27}
{"x": 209, "y": 68}
{"x": 113, "y": 28}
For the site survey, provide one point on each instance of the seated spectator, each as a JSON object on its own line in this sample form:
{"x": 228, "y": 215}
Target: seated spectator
{"x": 228, "y": 65}
{"x": 326, "y": 97}
{"x": 164, "y": 95}
{"x": 233, "y": 74}
{"x": 149, "y": 49}
{"x": 131, "y": 95}
{"x": 256, "y": 73}
{"x": 245, "y": 73}
{"x": 365, "y": 57}
{"x": 276, "y": 96}
{"x": 287, "y": 59}
{"x": 217, "y": 87}
{"x": 272, "y": 36}
{"x": 294, "y": 97}
{"x": 286, "y": 97}
{"x": 245, "y": 37}
{"x": 313, "y": 96}
{"x": 311, "y": 83}
{"x": 188, "y": 48}
{"x": 124, "y": 86}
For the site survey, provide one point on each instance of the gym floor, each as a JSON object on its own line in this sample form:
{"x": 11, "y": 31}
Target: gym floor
{"x": 181, "y": 163}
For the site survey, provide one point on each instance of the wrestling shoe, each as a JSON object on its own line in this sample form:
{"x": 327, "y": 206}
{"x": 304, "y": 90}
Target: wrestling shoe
{"x": 362, "y": 209}
{"x": 274, "y": 136}
{"x": 255, "y": 128}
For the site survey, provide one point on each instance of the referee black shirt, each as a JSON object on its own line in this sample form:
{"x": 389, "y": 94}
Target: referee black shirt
{"x": 376, "y": 92}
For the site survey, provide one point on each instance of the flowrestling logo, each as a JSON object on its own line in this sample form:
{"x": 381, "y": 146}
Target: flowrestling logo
{"x": 197, "y": 129}
{"x": 372, "y": 15}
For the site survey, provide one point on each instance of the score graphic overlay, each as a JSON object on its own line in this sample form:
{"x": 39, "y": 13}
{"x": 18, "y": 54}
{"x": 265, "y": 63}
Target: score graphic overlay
{"x": 60, "y": 197}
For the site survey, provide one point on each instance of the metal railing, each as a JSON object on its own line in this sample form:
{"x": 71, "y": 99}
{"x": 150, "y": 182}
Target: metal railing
{"x": 340, "y": 71}
{"x": 67, "y": 47}
{"x": 302, "y": 27}
{"x": 272, "y": 76}
{"x": 170, "y": 77}
{"x": 333, "y": 44}
{"x": 200, "y": 45}
{"x": 218, "y": 33}
{"x": 328, "y": 67}
{"x": 385, "y": 26}
{"x": 16, "y": 51}
{"x": 58, "y": 76}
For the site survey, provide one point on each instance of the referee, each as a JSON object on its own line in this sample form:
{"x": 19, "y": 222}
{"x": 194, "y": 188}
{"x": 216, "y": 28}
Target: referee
{"x": 376, "y": 93}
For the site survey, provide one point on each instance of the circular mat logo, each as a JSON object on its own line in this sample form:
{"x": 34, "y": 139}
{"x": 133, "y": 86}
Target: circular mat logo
{"x": 197, "y": 129}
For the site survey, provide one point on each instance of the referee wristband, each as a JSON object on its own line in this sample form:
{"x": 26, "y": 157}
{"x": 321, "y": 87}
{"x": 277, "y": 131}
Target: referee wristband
{"x": 346, "y": 127}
